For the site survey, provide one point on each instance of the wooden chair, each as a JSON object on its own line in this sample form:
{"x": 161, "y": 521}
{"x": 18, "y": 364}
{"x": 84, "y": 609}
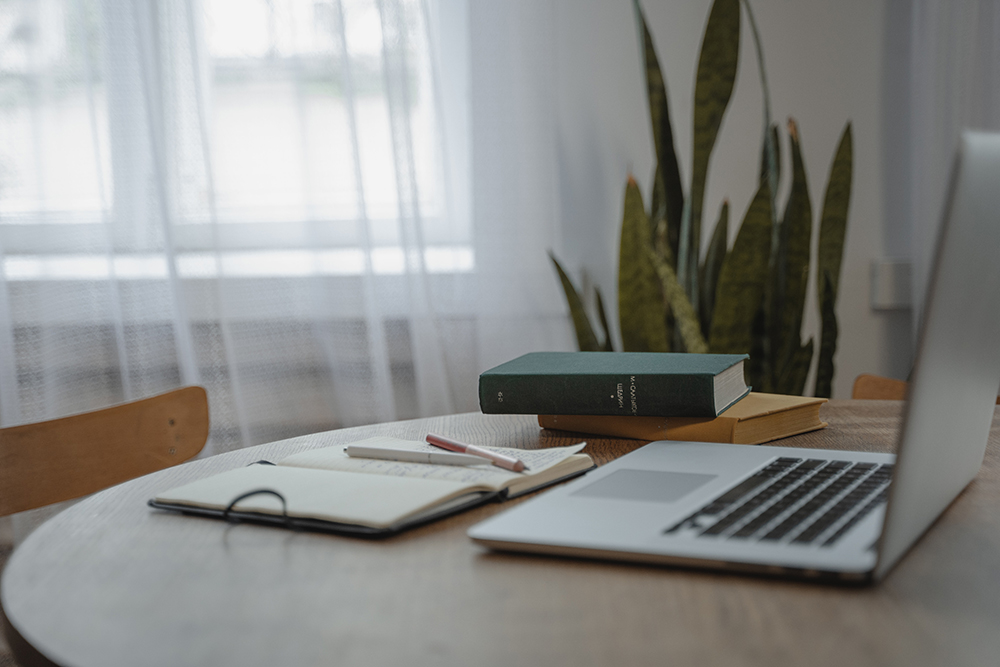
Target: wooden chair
{"x": 876, "y": 387}
{"x": 52, "y": 461}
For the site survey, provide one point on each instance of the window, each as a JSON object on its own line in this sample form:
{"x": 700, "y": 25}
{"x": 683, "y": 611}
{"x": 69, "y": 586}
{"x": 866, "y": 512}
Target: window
{"x": 266, "y": 130}
{"x": 248, "y": 194}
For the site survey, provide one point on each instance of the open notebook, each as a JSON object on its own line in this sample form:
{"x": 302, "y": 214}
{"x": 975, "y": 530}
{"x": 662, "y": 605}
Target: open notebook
{"x": 326, "y": 490}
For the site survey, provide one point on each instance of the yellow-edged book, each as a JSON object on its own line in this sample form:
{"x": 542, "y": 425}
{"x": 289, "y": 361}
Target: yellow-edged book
{"x": 753, "y": 420}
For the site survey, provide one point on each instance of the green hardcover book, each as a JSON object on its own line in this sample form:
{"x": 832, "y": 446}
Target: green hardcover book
{"x": 658, "y": 384}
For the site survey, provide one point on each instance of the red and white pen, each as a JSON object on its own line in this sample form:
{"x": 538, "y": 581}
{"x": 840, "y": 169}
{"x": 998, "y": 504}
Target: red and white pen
{"x": 508, "y": 462}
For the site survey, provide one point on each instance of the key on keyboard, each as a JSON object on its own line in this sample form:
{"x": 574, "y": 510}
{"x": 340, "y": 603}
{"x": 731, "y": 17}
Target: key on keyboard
{"x": 790, "y": 497}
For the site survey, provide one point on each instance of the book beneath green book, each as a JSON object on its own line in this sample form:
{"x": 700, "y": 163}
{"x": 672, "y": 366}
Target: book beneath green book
{"x": 660, "y": 384}
{"x": 753, "y": 420}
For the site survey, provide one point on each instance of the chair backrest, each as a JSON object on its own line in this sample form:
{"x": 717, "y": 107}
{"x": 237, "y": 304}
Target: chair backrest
{"x": 52, "y": 461}
{"x": 876, "y": 387}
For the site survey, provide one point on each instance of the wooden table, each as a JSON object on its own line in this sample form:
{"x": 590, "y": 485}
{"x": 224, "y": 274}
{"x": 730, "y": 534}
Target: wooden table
{"x": 112, "y": 582}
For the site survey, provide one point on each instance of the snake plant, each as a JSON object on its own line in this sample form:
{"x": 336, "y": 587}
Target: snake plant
{"x": 748, "y": 298}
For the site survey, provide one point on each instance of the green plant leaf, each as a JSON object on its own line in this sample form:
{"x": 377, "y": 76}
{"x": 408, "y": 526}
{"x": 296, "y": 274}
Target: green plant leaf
{"x": 720, "y": 49}
{"x": 666, "y": 231}
{"x": 833, "y": 221}
{"x": 641, "y": 312}
{"x": 832, "y": 231}
{"x": 603, "y": 319}
{"x": 685, "y": 319}
{"x": 663, "y": 248}
{"x": 792, "y": 268}
{"x": 657, "y": 207}
{"x": 770, "y": 168}
{"x": 758, "y": 366}
{"x": 827, "y": 339}
{"x": 765, "y": 173}
{"x": 586, "y": 340}
{"x": 741, "y": 280}
{"x": 709, "y": 277}
{"x": 668, "y": 194}
{"x": 766, "y": 159}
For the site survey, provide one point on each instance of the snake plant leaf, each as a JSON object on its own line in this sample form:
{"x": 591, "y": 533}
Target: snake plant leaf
{"x": 586, "y": 340}
{"x": 833, "y": 220}
{"x": 759, "y": 374}
{"x": 770, "y": 169}
{"x": 832, "y": 230}
{"x": 661, "y": 242}
{"x": 741, "y": 280}
{"x": 666, "y": 230}
{"x": 657, "y": 207}
{"x": 716, "y": 75}
{"x": 792, "y": 267}
{"x": 770, "y": 165}
{"x": 766, "y": 173}
{"x": 709, "y": 277}
{"x": 777, "y": 156}
{"x": 827, "y": 339}
{"x": 668, "y": 202}
{"x": 603, "y": 319}
{"x": 686, "y": 322}
{"x": 640, "y": 299}
{"x": 770, "y": 157}
{"x": 664, "y": 254}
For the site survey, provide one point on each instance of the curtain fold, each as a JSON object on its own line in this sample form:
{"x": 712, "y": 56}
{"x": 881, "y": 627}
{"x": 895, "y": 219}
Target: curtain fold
{"x": 243, "y": 195}
{"x": 514, "y": 93}
{"x": 326, "y": 212}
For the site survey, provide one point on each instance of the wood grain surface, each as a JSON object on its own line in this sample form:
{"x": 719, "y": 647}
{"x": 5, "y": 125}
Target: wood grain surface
{"x": 52, "y": 461}
{"x": 112, "y": 582}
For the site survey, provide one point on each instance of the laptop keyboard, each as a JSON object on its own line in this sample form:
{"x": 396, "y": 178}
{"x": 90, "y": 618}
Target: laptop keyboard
{"x": 800, "y": 501}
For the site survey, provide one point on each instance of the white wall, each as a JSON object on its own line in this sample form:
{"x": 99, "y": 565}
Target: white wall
{"x": 824, "y": 67}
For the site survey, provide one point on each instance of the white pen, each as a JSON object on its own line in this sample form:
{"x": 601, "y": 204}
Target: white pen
{"x": 411, "y": 456}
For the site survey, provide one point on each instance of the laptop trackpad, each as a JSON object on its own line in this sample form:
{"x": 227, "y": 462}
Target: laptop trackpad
{"x": 655, "y": 486}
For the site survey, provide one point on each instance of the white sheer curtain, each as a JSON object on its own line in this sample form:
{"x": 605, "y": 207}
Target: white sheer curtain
{"x": 251, "y": 195}
{"x": 943, "y": 76}
{"x": 517, "y": 167}
{"x": 326, "y": 212}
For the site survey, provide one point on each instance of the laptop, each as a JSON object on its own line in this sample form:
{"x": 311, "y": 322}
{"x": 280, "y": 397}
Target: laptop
{"x": 810, "y": 513}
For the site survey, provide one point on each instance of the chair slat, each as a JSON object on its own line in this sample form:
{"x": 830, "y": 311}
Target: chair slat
{"x": 876, "y": 387}
{"x": 52, "y": 461}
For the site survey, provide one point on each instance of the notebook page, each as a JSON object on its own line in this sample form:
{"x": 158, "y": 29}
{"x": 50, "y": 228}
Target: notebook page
{"x": 334, "y": 458}
{"x": 379, "y": 502}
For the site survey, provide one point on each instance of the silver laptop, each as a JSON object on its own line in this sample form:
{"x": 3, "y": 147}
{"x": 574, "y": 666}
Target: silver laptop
{"x": 848, "y": 516}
